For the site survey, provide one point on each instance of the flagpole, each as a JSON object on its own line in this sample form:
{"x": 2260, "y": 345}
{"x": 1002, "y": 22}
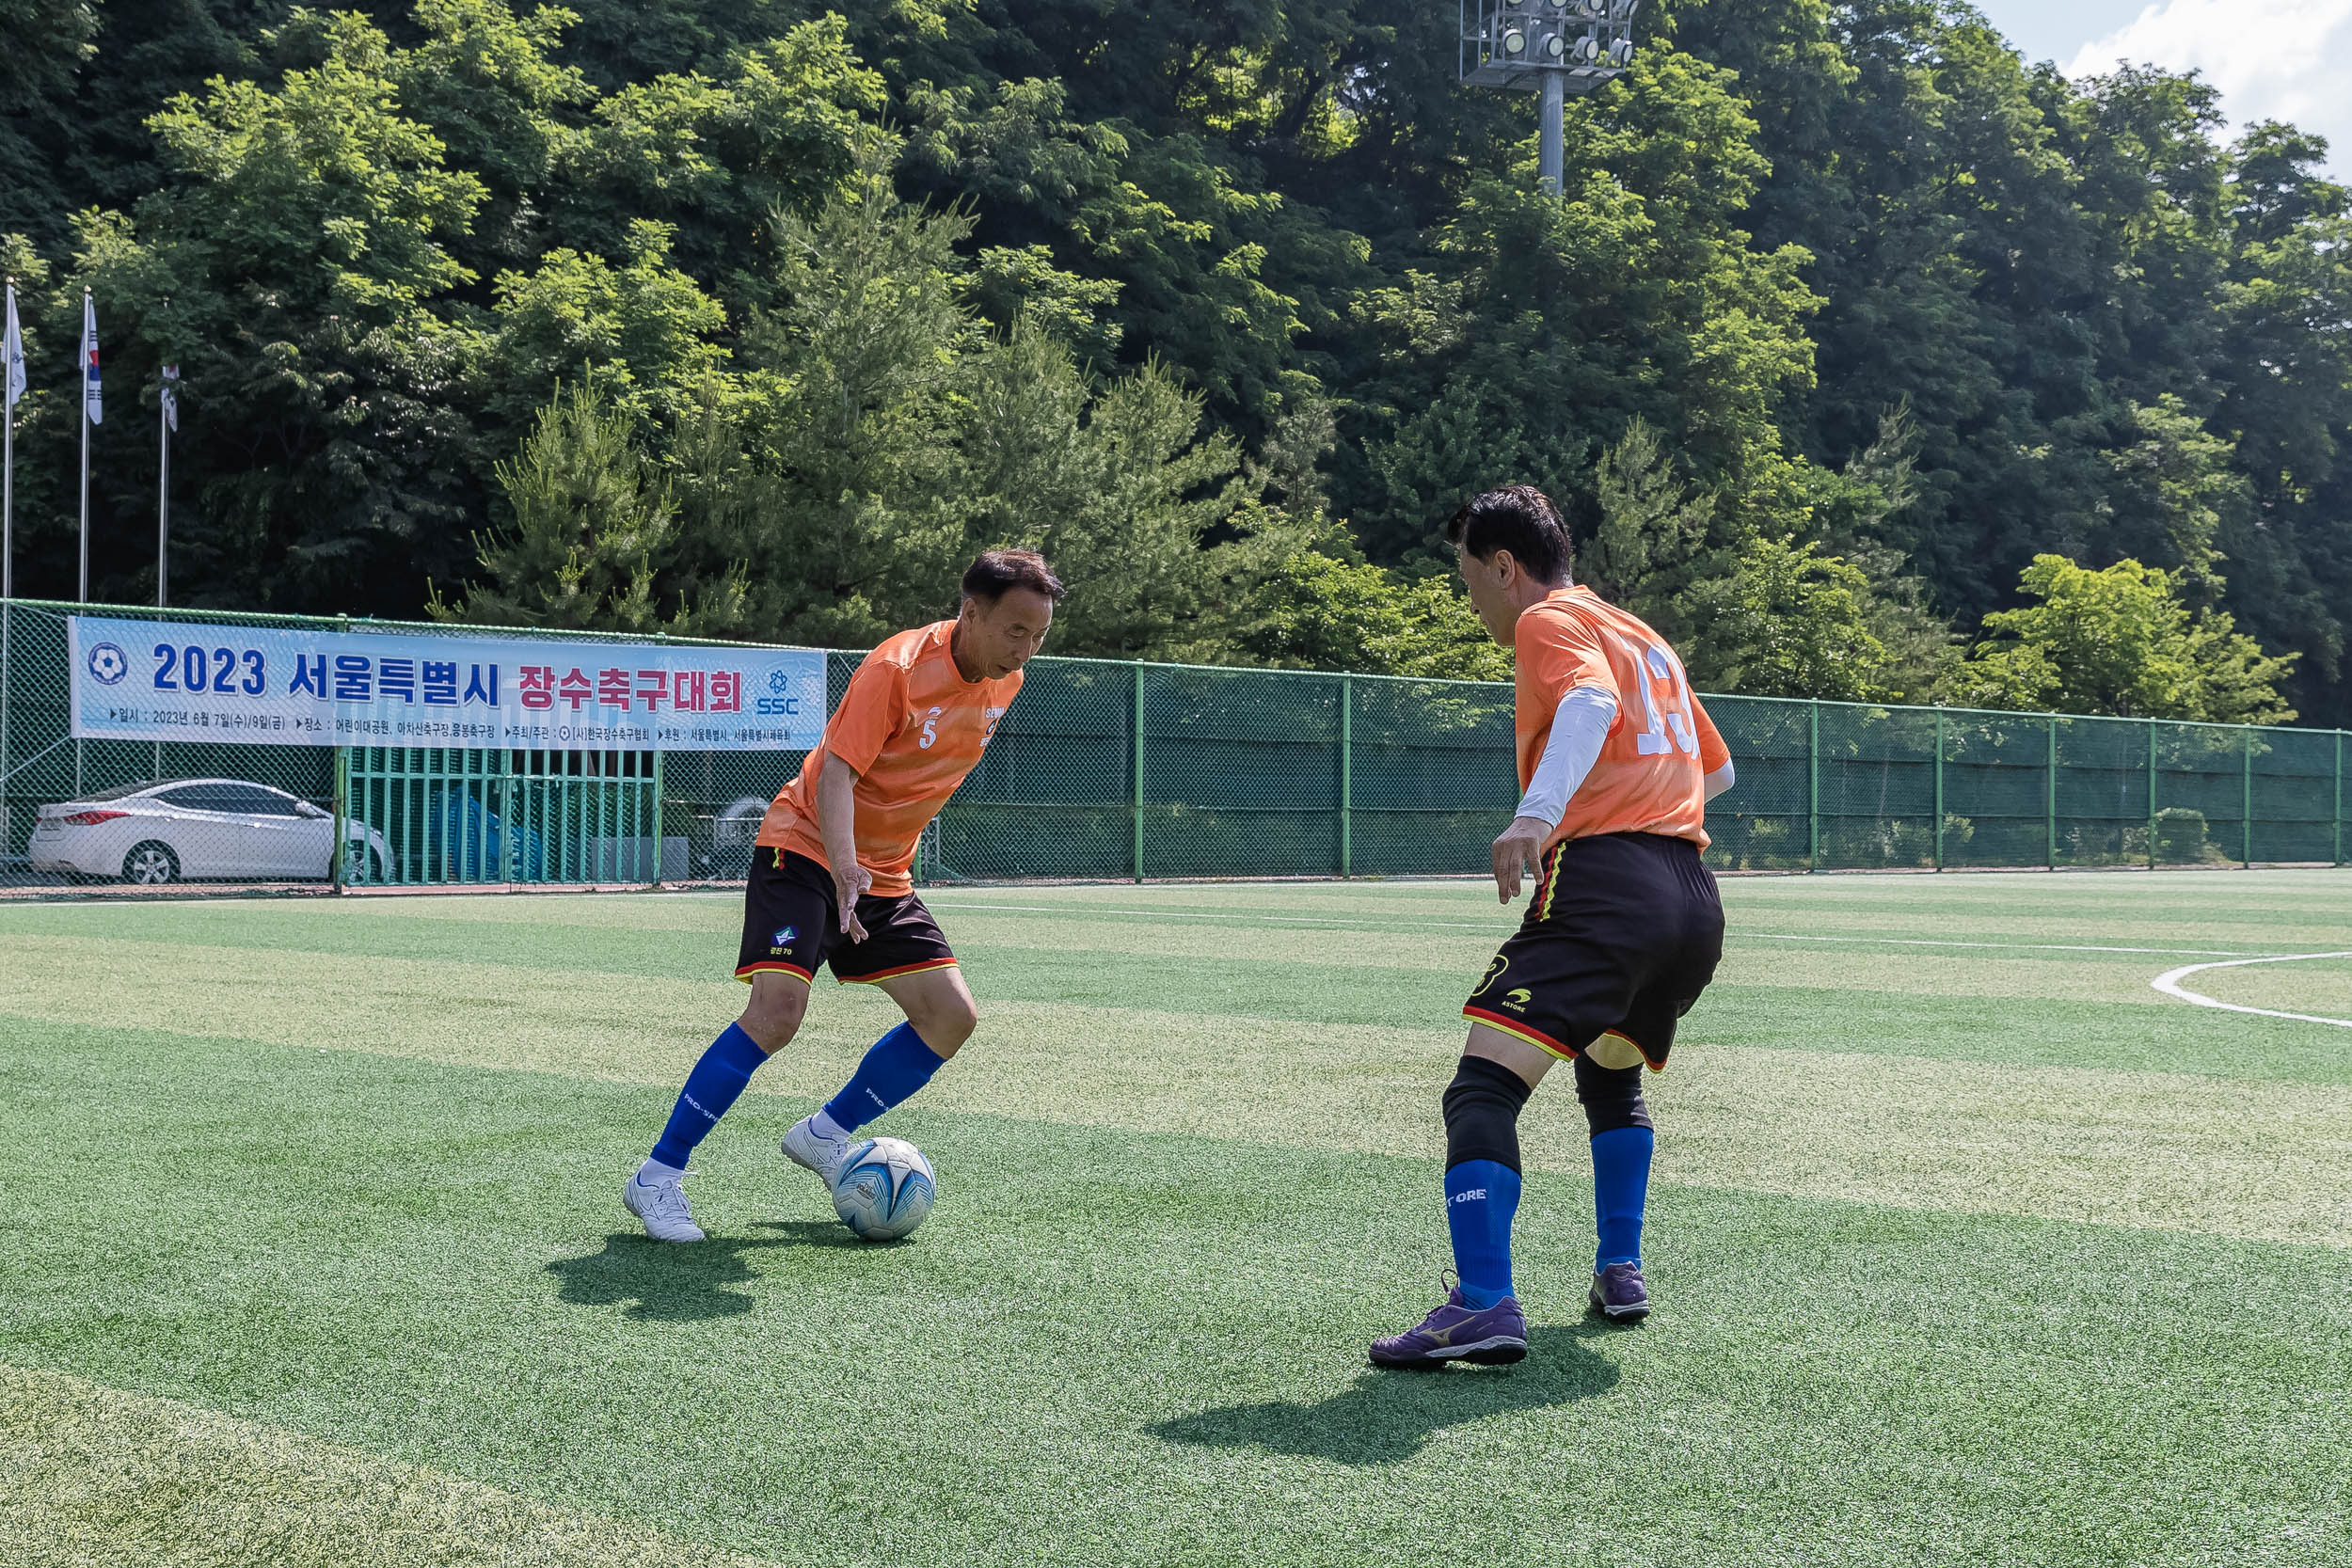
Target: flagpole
{"x": 8, "y": 392}
{"x": 82, "y": 590}
{"x": 7, "y": 556}
{"x": 8, "y": 478}
{"x": 163, "y": 496}
{"x": 166, "y": 415}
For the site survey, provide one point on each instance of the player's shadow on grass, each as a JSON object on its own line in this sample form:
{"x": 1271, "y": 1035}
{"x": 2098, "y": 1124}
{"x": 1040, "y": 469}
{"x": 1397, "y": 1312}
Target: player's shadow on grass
{"x": 1386, "y": 1416}
{"x": 687, "y": 1282}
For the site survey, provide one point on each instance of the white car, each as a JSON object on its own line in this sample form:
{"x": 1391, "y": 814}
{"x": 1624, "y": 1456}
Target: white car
{"x": 189, "y": 828}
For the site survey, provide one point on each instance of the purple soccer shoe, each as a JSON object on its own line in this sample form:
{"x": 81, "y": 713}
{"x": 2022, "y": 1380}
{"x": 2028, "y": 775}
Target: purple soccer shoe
{"x": 1619, "y": 1294}
{"x": 1494, "y": 1337}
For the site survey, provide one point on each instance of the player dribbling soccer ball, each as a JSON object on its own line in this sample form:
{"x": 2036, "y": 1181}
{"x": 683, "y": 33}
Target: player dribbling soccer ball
{"x": 830, "y": 880}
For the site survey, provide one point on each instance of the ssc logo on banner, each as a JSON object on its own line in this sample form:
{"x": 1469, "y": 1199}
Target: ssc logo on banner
{"x": 108, "y": 664}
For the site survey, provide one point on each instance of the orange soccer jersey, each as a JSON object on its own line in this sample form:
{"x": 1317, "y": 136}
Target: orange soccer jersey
{"x": 1648, "y": 778}
{"x": 913, "y": 728}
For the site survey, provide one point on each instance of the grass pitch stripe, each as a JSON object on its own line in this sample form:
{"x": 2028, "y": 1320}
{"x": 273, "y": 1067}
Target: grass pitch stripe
{"x": 2169, "y": 983}
{"x": 99, "y": 1476}
{"x": 1067, "y": 909}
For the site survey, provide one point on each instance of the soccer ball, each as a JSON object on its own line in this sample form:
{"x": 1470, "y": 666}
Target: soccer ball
{"x": 883, "y": 1189}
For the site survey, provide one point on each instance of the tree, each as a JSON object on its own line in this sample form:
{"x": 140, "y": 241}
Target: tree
{"x": 2120, "y": 641}
{"x": 1788, "y": 622}
{"x": 594, "y": 530}
{"x": 1318, "y": 612}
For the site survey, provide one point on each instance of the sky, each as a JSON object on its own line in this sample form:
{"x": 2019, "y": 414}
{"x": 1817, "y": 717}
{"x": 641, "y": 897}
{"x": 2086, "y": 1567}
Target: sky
{"x": 2272, "y": 60}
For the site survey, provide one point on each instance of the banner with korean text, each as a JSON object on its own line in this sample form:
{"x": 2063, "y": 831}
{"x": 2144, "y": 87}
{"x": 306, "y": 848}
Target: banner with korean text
{"x": 270, "y": 686}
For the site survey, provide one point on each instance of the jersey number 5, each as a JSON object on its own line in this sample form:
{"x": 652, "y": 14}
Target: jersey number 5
{"x": 1666, "y": 698}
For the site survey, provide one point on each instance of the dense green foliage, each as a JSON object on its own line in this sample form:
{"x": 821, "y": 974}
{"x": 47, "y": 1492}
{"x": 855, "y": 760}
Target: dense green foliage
{"x": 2120, "y": 641}
{"x": 1846, "y": 316}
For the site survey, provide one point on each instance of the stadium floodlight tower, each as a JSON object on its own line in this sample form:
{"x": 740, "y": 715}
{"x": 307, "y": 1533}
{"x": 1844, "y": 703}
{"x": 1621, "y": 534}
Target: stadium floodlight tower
{"x": 1554, "y": 47}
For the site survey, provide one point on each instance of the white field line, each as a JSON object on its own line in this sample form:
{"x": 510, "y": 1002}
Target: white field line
{"x": 1484, "y": 926}
{"x": 2169, "y": 983}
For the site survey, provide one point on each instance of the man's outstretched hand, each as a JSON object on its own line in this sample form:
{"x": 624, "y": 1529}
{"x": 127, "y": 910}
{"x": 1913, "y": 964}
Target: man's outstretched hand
{"x": 1518, "y": 849}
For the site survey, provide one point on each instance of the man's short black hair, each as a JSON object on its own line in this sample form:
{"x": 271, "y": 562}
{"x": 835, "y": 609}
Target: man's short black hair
{"x": 1519, "y": 518}
{"x": 997, "y": 571}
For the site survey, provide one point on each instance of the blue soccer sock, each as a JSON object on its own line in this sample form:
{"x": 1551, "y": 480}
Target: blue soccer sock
{"x": 895, "y": 1067}
{"x": 1620, "y": 1187}
{"x": 710, "y": 1088}
{"x": 1480, "y": 1197}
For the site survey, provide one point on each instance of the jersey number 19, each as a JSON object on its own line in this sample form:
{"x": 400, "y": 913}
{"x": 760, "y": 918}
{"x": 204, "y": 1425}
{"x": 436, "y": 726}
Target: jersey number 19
{"x": 1666, "y": 698}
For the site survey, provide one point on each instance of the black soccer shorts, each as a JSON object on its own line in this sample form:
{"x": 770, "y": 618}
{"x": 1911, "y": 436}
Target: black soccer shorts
{"x": 792, "y": 922}
{"x": 1623, "y": 933}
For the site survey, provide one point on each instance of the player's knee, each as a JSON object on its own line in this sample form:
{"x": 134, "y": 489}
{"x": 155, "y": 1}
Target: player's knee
{"x": 774, "y": 1014}
{"x": 1481, "y": 1113}
{"x": 945, "y": 1026}
{"x": 1611, "y": 1097}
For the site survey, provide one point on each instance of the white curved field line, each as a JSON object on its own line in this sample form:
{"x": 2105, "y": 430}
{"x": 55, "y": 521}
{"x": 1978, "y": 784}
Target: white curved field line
{"x": 2169, "y": 983}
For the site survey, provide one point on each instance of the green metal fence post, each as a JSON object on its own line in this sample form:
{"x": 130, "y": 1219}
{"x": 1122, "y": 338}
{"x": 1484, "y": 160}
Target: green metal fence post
{"x": 654, "y": 880}
{"x": 511, "y": 864}
{"x": 342, "y": 816}
{"x": 1939, "y": 789}
{"x": 2049, "y": 801}
{"x": 2246, "y": 822}
{"x": 1140, "y": 667}
{"x": 2152, "y": 792}
{"x": 1813, "y": 792}
{"x": 1347, "y": 775}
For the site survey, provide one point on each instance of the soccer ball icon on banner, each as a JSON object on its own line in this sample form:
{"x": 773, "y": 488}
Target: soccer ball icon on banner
{"x": 883, "y": 1189}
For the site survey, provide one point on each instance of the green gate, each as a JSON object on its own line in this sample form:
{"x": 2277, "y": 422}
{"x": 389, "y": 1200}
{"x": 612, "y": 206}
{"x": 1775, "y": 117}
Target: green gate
{"x": 429, "y": 815}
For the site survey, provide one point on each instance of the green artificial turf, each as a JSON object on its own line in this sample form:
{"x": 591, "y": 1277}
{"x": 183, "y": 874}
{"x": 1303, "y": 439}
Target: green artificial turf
{"x": 264, "y": 1172}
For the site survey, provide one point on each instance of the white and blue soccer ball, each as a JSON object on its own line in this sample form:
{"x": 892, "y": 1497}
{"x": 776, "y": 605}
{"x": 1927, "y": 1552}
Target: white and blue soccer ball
{"x": 883, "y": 1189}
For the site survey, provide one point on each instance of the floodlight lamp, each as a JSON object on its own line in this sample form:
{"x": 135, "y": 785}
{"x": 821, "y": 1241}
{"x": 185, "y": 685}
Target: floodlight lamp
{"x": 1554, "y": 46}
{"x": 1621, "y": 52}
{"x": 1588, "y": 50}
{"x": 1515, "y": 42}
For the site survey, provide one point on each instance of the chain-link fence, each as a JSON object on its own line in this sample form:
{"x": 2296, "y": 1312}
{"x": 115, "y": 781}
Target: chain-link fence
{"x": 1115, "y": 770}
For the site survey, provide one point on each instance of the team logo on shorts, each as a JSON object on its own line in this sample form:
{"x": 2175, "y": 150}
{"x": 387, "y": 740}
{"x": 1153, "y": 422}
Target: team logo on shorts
{"x": 1494, "y": 972}
{"x": 1518, "y": 1000}
{"x": 782, "y": 939}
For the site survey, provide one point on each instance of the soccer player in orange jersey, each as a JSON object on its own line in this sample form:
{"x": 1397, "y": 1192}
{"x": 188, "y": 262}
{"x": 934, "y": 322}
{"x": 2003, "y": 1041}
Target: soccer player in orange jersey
{"x": 830, "y": 879}
{"x": 1616, "y": 763}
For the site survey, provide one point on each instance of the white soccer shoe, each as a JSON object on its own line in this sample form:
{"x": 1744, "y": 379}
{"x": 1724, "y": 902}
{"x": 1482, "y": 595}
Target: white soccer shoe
{"x": 807, "y": 1147}
{"x": 662, "y": 1208}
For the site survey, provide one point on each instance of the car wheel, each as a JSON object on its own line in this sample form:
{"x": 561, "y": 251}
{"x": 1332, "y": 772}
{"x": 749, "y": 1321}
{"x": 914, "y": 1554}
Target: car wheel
{"x": 151, "y": 863}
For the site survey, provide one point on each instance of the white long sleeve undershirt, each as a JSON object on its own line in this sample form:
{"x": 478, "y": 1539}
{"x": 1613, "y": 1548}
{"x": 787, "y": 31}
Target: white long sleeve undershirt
{"x": 1717, "y": 782}
{"x": 1577, "y": 730}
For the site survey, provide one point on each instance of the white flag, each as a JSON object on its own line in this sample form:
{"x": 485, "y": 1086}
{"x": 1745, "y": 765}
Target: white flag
{"x": 171, "y": 398}
{"x": 91, "y": 407}
{"x": 12, "y": 353}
